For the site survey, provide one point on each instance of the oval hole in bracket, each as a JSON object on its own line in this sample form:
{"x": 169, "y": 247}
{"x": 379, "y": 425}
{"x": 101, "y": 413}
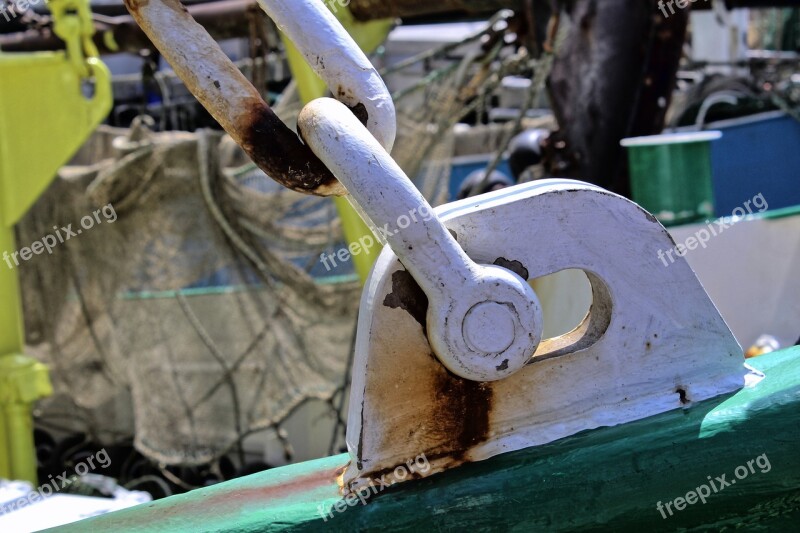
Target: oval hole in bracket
{"x": 577, "y": 312}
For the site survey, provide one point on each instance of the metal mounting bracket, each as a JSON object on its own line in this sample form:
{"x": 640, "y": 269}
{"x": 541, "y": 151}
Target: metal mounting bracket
{"x": 652, "y": 342}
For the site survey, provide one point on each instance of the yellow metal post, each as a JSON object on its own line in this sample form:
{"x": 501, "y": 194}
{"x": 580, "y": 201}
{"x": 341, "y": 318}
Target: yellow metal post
{"x": 50, "y": 103}
{"x": 368, "y": 36}
{"x": 10, "y": 340}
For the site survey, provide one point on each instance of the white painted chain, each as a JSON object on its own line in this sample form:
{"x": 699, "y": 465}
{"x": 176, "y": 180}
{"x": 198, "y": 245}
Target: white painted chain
{"x": 484, "y": 322}
{"x": 337, "y": 59}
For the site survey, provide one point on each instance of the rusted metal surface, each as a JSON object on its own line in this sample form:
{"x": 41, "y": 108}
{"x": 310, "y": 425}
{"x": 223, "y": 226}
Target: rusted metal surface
{"x": 422, "y": 406}
{"x": 230, "y": 98}
{"x": 407, "y": 295}
{"x": 462, "y": 406}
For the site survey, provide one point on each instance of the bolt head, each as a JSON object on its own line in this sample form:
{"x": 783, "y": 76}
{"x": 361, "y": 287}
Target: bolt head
{"x": 489, "y": 327}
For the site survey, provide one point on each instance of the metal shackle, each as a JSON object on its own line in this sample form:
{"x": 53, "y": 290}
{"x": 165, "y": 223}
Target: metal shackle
{"x": 484, "y": 322}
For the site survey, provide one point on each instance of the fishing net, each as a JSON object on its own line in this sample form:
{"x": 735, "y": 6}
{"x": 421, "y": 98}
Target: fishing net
{"x": 191, "y": 310}
{"x": 193, "y": 294}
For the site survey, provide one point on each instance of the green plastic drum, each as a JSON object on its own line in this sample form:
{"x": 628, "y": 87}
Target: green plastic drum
{"x": 671, "y": 175}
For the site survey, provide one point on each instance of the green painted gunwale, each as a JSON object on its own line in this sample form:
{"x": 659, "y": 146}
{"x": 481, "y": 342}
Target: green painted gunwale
{"x": 610, "y": 478}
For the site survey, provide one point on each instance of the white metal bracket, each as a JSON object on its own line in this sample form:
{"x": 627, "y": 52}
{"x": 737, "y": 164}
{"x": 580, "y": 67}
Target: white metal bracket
{"x": 449, "y": 359}
{"x": 653, "y": 341}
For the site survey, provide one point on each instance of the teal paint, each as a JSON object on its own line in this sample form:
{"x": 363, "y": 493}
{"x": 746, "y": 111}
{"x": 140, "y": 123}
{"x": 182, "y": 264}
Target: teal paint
{"x": 609, "y": 477}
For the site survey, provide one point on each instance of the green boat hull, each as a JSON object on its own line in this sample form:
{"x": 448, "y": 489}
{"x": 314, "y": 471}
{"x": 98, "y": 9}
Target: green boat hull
{"x": 611, "y": 478}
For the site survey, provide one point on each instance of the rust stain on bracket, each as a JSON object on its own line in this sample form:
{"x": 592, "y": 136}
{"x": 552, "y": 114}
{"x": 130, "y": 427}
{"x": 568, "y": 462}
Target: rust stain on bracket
{"x": 407, "y": 295}
{"x": 514, "y": 266}
{"x": 433, "y": 411}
